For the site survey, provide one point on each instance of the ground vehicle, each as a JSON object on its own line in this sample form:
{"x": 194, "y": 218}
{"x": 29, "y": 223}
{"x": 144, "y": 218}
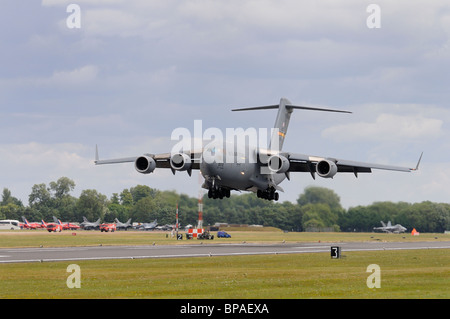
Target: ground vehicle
{"x": 205, "y": 235}
{"x": 54, "y": 227}
{"x": 107, "y": 227}
{"x": 9, "y": 224}
{"x": 223, "y": 234}
{"x": 67, "y": 226}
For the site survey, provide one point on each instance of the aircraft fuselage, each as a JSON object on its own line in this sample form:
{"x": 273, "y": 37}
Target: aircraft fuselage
{"x": 225, "y": 169}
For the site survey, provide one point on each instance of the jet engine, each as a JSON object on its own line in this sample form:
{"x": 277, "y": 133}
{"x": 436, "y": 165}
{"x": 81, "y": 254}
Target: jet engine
{"x": 180, "y": 162}
{"x": 326, "y": 169}
{"x": 145, "y": 164}
{"x": 278, "y": 164}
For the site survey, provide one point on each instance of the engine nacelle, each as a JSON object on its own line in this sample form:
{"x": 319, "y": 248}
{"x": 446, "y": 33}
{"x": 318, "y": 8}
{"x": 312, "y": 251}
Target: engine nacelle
{"x": 278, "y": 164}
{"x": 180, "y": 162}
{"x": 145, "y": 164}
{"x": 326, "y": 169}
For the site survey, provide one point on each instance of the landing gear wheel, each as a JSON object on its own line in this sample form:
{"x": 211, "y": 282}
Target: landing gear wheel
{"x": 268, "y": 194}
{"x": 219, "y": 193}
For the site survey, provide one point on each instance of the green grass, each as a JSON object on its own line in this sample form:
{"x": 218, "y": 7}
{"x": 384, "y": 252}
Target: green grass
{"x": 404, "y": 274}
{"x": 37, "y": 238}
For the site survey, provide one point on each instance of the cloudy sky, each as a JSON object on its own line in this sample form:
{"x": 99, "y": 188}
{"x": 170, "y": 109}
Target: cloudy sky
{"x": 136, "y": 70}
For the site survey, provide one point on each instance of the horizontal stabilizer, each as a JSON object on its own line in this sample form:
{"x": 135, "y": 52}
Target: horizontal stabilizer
{"x": 257, "y": 108}
{"x": 285, "y": 109}
{"x": 316, "y": 109}
{"x": 288, "y": 106}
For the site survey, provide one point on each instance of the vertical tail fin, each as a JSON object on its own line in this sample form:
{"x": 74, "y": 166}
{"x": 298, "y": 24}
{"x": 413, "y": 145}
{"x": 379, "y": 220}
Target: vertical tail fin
{"x": 285, "y": 109}
{"x": 281, "y": 125}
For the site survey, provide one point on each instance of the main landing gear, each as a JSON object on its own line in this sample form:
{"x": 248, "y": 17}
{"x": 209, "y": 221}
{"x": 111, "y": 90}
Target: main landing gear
{"x": 268, "y": 194}
{"x": 218, "y": 193}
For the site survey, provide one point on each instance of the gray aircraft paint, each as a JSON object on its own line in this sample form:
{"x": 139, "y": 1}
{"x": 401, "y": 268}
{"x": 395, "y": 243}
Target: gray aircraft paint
{"x": 249, "y": 167}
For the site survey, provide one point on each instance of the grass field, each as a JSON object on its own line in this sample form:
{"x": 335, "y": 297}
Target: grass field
{"x": 404, "y": 274}
{"x": 37, "y": 238}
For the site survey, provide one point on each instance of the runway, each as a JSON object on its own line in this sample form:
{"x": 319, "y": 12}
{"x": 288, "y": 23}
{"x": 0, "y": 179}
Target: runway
{"x": 17, "y": 255}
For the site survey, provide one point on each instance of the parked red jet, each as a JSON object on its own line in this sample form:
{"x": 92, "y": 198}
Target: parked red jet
{"x": 52, "y": 227}
{"x": 66, "y": 226}
{"x": 29, "y": 225}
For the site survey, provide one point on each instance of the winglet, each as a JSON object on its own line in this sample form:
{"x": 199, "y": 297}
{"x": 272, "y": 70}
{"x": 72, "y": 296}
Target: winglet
{"x": 96, "y": 154}
{"x": 417, "y": 166}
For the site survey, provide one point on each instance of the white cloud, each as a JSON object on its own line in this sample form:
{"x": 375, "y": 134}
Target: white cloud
{"x": 37, "y": 157}
{"x": 111, "y": 22}
{"x": 79, "y": 76}
{"x": 74, "y": 78}
{"x": 387, "y": 127}
{"x": 23, "y": 165}
{"x": 49, "y": 3}
{"x": 143, "y": 67}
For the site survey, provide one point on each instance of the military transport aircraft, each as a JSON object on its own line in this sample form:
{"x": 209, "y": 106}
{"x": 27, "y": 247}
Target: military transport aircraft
{"x": 249, "y": 167}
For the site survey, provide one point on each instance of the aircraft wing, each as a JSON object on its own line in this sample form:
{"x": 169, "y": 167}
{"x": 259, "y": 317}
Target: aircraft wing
{"x": 162, "y": 160}
{"x": 112, "y": 161}
{"x": 307, "y": 163}
{"x": 115, "y": 161}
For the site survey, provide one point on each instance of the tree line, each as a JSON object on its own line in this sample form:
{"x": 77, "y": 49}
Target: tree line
{"x": 316, "y": 207}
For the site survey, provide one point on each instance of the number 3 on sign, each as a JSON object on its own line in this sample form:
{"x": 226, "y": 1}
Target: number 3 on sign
{"x": 336, "y": 252}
